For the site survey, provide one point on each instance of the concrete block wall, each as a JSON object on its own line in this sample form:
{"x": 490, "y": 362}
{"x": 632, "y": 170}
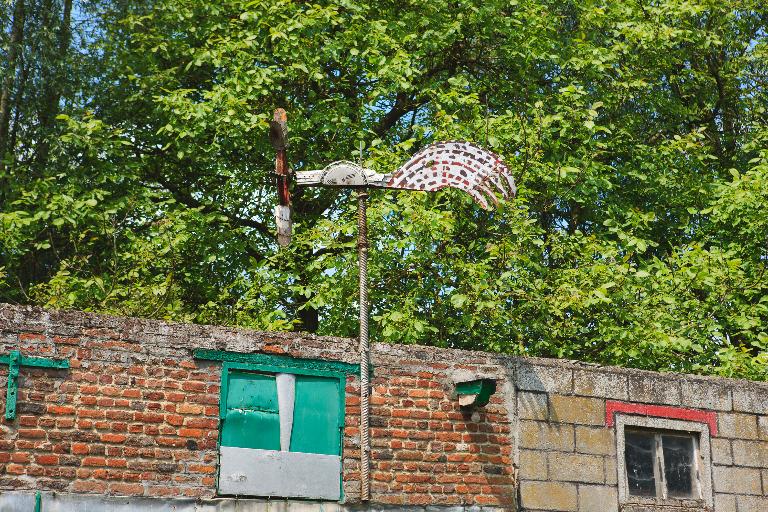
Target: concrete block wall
{"x": 136, "y": 417}
{"x": 567, "y": 452}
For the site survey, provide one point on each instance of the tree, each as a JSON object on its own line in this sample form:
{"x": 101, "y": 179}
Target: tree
{"x": 636, "y": 133}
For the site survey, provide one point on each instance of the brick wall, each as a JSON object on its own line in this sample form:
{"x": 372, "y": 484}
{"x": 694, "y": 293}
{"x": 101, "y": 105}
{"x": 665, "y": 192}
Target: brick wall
{"x": 137, "y": 415}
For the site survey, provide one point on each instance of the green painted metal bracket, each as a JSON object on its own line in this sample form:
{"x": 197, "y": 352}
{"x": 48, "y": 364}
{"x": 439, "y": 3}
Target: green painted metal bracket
{"x": 40, "y": 362}
{"x": 13, "y": 386}
{"x": 480, "y": 389}
{"x": 15, "y": 360}
{"x": 277, "y": 361}
{"x": 38, "y": 502}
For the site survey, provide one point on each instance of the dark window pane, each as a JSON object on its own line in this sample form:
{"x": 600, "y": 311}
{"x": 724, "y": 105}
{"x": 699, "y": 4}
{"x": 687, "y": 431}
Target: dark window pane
{"x": 639, "y": 455}
{"x": 678, "y": 465}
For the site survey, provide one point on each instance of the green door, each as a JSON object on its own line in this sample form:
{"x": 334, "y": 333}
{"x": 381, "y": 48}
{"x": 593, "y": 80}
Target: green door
{"x": 317, "y": 415}
{"x": 251, "y": 418}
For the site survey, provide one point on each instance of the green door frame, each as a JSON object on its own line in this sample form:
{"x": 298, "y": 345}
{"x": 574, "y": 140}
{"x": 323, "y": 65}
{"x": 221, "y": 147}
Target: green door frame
{"x": 270, "y": 363}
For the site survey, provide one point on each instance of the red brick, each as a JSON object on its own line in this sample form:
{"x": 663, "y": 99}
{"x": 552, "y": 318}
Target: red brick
{"x": 47, "y": 460}
{"x": 189, "y": 409}
{"x": 79, "y": 448}
{"x": 208, "y": 423}
{"x": 31, "y": 433}
{"x": 20, "y": 457}
{"x": 191, "y": 432}
{"x": 148, "y": 417}
{"x": 14, "y": 469}
{"x": 193, "y": 386}
{"x": 174, "y": 419}
{"x": 28, "y": 421}
{"x": 91, "y": 413}
{"x": 199, "y": 468}
{"x": 126, "y": 489}
{"x": 113, "y": 438}
{"x": 65, "y": 423}
{"x": 131, "y": 393}
{"x": 29, "y": 336}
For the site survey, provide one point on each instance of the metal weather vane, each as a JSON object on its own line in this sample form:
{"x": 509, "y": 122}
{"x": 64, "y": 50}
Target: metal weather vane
{"x": 454, "y": 164}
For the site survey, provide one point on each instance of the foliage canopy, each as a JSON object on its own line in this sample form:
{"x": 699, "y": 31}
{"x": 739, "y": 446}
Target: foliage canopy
{"x": 136, "y": 175}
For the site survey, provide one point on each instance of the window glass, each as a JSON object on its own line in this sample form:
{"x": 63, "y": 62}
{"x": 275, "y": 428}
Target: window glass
{"x": 678, "y": 465}
{"x": 639, "y": 448}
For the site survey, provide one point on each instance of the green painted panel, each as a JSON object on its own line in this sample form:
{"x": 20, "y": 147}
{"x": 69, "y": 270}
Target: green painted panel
{"x": 277, "y": 363}
{"x": 483, "y": 388}
{"x": 316, "y": 416}
{"x": 251, "y": 419}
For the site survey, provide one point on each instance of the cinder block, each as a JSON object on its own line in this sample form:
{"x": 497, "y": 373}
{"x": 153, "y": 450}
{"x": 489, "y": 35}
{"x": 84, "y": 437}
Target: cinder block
{"x": 552, "y": 379}
{"x": 593, "y": 498}
{"x": 558, "y": 496}
{"x": 752, "y": 399}
{"x": 765, "y": 482}
{"x": 611, "y": 471}
{"x": 544, "y": 436}
{"x": 762, "y": 427}
{"x": 598, "y": 441}
{"x": 579, "y": 410}
{"x": 725, "y": 503}
{"x": 750, "y": 453}
{"x": 705, "y": 394}
{"x": 532, "y": 406}
{"x": 737, "y": 425}
{"x": 756, "y": 503}
{"x": 533, "y": 465}
{"x": 576, "y": 467}
{"x": 721, "y": 451}
{"x": 601, "y": 384}
{"x": 735, "y": 480}
{"x": 654, "y": 389}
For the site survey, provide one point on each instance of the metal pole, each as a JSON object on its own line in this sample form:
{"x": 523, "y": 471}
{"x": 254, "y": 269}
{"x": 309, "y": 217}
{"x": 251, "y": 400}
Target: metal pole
{"x": 365, "y": 386}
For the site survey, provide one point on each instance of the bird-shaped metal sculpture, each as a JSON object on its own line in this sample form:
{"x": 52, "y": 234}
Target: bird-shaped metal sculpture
{"x": 454, "y": 164}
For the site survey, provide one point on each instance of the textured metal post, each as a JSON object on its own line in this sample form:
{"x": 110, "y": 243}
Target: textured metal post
{"x": 365, "y": 386}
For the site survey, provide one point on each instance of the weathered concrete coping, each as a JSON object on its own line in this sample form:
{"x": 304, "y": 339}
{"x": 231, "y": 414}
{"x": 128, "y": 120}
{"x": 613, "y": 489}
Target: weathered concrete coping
{"x": 55, "y": 502}
{"x": 530, "y": 373}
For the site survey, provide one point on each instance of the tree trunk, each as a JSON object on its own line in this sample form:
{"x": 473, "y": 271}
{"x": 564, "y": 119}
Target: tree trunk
{"x": 309, "y": 318}
{"x": 17, "y": 109}
{"x": 55, "y": 83}
{"x": 17, "y": 35}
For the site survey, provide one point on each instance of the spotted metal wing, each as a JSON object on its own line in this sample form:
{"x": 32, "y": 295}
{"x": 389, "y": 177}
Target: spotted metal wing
{"x": 456, "y": 164}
